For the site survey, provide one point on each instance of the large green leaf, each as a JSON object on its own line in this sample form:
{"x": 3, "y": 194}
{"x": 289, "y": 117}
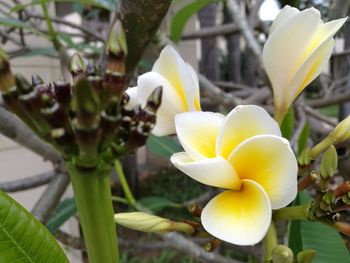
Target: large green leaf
{"x": 65, "y": 210}
{"x": 163, "y": 146}
{"x": 105, "y": 4}
{"x": 23, "y": 238}
{"x": 325, "y": 240}
{"x": 181, "y": 18}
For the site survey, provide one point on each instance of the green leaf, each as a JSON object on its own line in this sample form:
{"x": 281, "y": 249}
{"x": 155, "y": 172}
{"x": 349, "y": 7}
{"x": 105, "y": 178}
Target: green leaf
{"x": 23, "y": 238}
{"x": 105, "y": 4}
{"x": 47, "y": 51}
{"x": 67, "y": 39}
{"x": 12, "y": 22}
{"x": 163, "y": 146}
{"x": 65, "y": 210}
{"x": 287, "y": 126}
{"x": 181, "y": 18}
{"x": 327, "y": 242}
{"x": 157, "y": 203}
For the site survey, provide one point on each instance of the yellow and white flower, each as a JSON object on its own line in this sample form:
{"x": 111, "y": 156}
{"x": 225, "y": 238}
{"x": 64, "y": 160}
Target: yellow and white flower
{"x": 297, "y": 49}
{"x": 180, "y": 89}
{"x": 244, "y": 154}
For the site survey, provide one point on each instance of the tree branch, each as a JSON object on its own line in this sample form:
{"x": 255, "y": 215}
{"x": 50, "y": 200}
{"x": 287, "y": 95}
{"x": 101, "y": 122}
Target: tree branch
{"x": 141, "y": 19}
{"x": 16, "y": 130}
{"x": 27, "y": 183}
{"x": 51, "y": 197}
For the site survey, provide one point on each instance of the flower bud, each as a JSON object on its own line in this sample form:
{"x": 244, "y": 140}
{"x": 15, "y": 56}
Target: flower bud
{"x": 342, "y": 131}
{"x": 36, "y": 80}
{"x": 282, "y": 254}
{"x": 77, "y": 66}
{"x": 304, "y": 158}
{"x": 87, "y": 104}
{"x": 306, "y": 256}
{"x": 7, "y": 80}
{"x": 150, "y": 223}
{"x": 329, "y": 162}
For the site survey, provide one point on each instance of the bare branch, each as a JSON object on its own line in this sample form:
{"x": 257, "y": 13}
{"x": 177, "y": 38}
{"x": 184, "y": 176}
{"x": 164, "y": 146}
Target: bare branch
{"x": 51, "y": 197}
{"x": 245, "y": 29}
{"x": 339, "y": 8}
{"x": 16, "y": 130}
{"x": 334, "y": 99}
{"x": 27, "y": 183}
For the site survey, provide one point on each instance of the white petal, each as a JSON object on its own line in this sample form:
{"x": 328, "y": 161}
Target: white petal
{"x": 311, "y": 68}
{"x": 239, "y": 217}
{"x": 269, "y": 161}
{"x": 197, "y": 132}
{"x": 172, "y": 67}
{"x": 283, "y": 16}
{"x": 132, "y": 92}
{"x": 243, "y": 122}
{"x": 216, "y": 172}
{"x": 171, "y": 104}
{"x": 284, "y": 50}
{"x": 197, "y": 104}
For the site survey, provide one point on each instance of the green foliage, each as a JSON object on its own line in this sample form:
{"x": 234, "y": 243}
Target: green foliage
{"x": 157, "y": 203}
{"x": 287, "y": 126}
{"x": 105, "y": 4}
{"x": 181, "y": 18}
{"x": 326, "y": 241}
{"x": 303, "y": 137}
{"x": 23, "y": 238}
{"x": 65, "y": 210}
{"x": 12, "y": 22}
{"x": 163, "y": 146}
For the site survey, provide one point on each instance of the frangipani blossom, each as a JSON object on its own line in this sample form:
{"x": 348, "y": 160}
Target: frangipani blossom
{"x": 297, "y": 49}
{"x": 244, "y": 154}
{"x": 180, "y": 89}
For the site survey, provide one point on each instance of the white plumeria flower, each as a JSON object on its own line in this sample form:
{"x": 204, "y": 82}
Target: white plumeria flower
{"x": 297, "y": 49}
{"x": 180, "y": 89}
{"x": 245, "y": 154}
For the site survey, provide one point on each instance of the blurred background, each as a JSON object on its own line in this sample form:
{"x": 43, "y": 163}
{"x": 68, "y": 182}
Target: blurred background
{"x": 215, "y": 38}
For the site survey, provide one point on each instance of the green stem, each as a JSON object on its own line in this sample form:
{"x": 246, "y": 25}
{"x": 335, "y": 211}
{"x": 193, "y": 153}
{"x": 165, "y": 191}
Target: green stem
{"x": 52, "y": 32}
{"x": 320, "y": 147}
{"x": 92, "y": 192}
{"x": 269, "y": 242}
{"x": 124, "y": 183}
{"x": 292, "y": 213}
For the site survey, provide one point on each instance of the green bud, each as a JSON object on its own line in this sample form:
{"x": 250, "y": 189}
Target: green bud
{"x": 304, "y": 158}
{"x": 342, "y": 131}
{"x": 282, "y": 254}
{"x": 306, "y": 256}
{"x": 150, "y": 223}
{"x": 77, "y": 65}
{"x": 116, "y": 42}
{"x": 7, "y": 80}
{"x": 329, "y": 162}
{"x": 116, "y": 49}
{"x": 87, "y": 104}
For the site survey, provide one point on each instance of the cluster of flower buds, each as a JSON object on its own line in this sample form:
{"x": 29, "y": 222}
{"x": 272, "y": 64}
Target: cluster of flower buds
{"x": 329, "y": 203}
{"x": 86, "y": 119}
{"x": 283, "y": 254}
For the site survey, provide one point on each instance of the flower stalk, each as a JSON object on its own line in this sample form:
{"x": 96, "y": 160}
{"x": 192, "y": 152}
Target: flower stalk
{"x": 270, "y": 242}
{"x": 94, "y": 202}
{"x": 292, "y": 213}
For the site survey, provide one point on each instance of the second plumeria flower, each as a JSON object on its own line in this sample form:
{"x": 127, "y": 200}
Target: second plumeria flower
{"x": 297, "y": 49}
{"x": 244, "y": 154}
{"x": 180, "y": 89}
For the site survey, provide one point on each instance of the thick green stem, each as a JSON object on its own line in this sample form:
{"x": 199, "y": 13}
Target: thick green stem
{"x": 321, "y": 146}
{"x": 94, "y": 202}
{"x": 270, "y": 242}
{"x": 292, "y": 213}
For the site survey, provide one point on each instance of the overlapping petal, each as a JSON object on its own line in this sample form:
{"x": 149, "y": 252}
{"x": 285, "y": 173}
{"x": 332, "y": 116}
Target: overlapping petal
{"x": 239, "y": 217}
{"x": 198, "y": 131}
{"x": 216, "y": 171}
{"x": 269, "y": 161}
{"x": 283, "y": 16}
{"x": 171, "y": 104}
{"x": 133, "y": 101}
{"x": 241, "y": 123}
{"x": 176, "y": 71}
